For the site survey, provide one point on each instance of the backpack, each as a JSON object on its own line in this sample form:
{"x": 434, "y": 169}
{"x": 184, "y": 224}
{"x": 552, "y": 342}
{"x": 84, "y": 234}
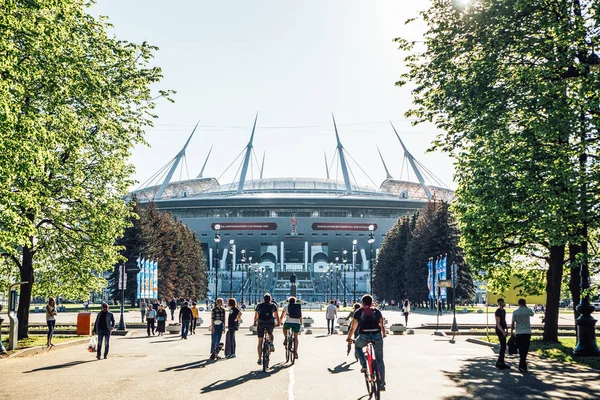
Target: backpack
{"x": 294, "y": 310}
{"x": 369, "y": 318}
{"x": 265, "y": 312}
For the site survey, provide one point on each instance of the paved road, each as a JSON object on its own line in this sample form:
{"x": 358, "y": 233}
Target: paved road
{"x": 418, "y": 367}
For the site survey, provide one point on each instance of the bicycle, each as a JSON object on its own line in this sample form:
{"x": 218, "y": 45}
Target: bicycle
{"x": 290, "y": 348}
{"x": 372, "y": 374}
{"x": 266, "y": 351}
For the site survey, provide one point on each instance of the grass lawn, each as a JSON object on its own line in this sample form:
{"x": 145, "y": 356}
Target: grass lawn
{"x": 562, "y": 351}
{"x": 35, "y": 340}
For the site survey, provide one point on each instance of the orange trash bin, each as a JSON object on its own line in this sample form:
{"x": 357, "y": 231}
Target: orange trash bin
{"x": 84, "y": 324}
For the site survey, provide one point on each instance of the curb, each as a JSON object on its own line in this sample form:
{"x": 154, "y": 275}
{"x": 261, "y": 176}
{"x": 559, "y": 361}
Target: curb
{"x": 43, "y": 349}
{"x": 482, "y": 342}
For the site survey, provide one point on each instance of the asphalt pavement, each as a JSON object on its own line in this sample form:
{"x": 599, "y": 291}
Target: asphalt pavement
{"x": 419, "y": 366}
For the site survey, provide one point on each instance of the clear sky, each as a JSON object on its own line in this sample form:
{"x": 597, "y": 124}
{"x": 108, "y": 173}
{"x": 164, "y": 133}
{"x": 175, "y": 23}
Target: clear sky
{"x": 293, "y": 62}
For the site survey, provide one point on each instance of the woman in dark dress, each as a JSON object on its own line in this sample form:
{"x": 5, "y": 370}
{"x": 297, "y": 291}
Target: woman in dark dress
{"x": 161, "y": 318}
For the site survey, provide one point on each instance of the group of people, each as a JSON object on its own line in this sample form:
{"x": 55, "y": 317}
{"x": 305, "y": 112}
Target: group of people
{"x": 520, "y": 327}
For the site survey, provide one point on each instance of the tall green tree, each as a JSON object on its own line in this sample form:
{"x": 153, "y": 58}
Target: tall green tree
{"x": 390, "y": 268}
{"x": 515, "y": 86}
{"x": 73, "y": 103}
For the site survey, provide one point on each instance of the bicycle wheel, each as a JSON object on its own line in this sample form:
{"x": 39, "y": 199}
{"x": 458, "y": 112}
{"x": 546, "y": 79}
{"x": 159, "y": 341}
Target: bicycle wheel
{"x": 292, "y": 347}
{"x": 265, "y": 355}
{"x": 368, "y": 383}
{"x": 376, "y": 380}
{"x": 287, "y": 349}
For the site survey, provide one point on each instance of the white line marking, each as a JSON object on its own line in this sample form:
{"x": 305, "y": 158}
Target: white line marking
{"x": 291, "y": 384}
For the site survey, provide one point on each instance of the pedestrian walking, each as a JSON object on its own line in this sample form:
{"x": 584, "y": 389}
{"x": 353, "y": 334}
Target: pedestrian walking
{"x": 161, "y": 320}
{"x": 155, "y": 305}
{"x": 406, "y": 311}
{"x": 502, "y": 333}
{"x": 195, "y": 317}
{"x": 173, "y": 307}
{"x": 150, "y": 318}
{"x": 232, "y": 325}
{"x": 522, "y": 319}
{"x": 104, "y": 325}
{"x": 331, "y": 315}
{"x": 50, "y": 320}
{"x": 185, "y": 319}
{"x": 143, "y": 309}
{"x": 217, "y": 323}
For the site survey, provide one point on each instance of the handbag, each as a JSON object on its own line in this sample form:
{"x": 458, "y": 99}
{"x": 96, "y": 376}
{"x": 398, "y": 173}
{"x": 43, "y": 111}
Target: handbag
{"x": 512, "y": 345}
{"x": 92, "y": 344}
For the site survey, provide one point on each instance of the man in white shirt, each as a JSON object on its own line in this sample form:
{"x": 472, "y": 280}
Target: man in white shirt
{"x": 522, "y": 319}
{"x": 331, "y": 315}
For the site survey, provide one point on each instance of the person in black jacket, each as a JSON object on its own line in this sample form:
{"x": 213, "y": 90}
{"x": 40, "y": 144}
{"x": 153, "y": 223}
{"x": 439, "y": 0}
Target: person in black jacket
{"x": 104, "y": 325}
{"x": 185, "y": 318}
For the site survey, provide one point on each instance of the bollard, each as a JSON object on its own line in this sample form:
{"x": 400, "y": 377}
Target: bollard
{"x": 2, "y": 348}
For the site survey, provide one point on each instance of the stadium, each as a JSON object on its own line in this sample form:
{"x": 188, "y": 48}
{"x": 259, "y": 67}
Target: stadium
{"x": 256, "y": 232}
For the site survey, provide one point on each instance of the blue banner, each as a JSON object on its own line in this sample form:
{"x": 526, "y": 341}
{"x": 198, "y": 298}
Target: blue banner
{"x": 430, "y": 278}
{"x": 155, "y": 280}
{"x": 442, "y": 276}
{"x": 142, "y": 279}
{"x": 137, "y": 279}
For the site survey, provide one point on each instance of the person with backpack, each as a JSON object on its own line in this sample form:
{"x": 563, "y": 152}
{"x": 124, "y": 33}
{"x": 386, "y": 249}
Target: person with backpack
{"x": 369, "y": 321}
{"x": 293, "y": 320}
{"x": 264, "y": 318}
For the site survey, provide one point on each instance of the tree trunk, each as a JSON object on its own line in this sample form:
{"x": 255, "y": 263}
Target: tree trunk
{"x": 26, "y": 271}
{"x": 575, "y": 279}
{"x": 553, "y": 283}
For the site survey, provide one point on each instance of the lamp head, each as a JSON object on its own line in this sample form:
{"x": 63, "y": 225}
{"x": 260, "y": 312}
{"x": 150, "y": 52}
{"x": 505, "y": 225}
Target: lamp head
{"x": 355, "y": 242}
{"x": 217, "y": 238}
{"x": 231, "y": 242}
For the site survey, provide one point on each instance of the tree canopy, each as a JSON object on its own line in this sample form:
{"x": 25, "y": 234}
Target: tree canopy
{"x": 73, "y": 103}
{"x": 515, "y": 87}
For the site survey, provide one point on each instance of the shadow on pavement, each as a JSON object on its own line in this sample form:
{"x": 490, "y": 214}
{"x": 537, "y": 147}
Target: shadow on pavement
{"x": 192, "y": 365}
{"x": 252, "y": 375}
{"x": 167, "y": 341}
{"x": 546, "y": 379}
{"x": 343, "y": 367}
{"x": 59, "y": 366}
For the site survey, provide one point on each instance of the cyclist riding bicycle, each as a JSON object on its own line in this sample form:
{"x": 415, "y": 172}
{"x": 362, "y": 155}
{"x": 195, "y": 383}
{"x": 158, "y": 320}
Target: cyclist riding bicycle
{"x": 264, "y": 316}
{"x": 369, "y": 322}
{"x": 293, "y": 319}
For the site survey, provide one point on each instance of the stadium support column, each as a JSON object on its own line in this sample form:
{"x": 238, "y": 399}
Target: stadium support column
{"x": 282, "y": 256}
{"x": 210, "y": 259}
{"x": 305, "y": 256}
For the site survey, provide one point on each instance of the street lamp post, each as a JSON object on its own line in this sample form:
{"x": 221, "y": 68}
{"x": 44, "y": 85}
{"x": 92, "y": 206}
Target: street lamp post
{"x": 354, "y": 251}
{"x": 231, "y": 243}
{"x": 345, "y": 261}
{"x": 243, "y": 261}
{"x": 371, "y": 240}
{"x": 454, "y": 284}
{"x": 337, "y": 268}
{"x": 331, "y": 279}
{"x": 217, "y": 240}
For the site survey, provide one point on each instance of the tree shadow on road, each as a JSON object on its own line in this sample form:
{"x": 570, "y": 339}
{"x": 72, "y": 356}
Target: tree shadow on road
{"x": 546, "y": 379}
{"x": 252, "y": 375}
{"x": 343, "y": 367}
{"x": 191, "y": 365}
{"x": 59, "y": 366}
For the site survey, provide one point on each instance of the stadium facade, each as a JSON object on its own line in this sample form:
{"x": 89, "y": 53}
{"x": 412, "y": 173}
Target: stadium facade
{"x": 325, "y": 232}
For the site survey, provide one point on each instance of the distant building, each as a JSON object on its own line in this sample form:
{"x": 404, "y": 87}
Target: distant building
{"x": 286, "y": 225}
